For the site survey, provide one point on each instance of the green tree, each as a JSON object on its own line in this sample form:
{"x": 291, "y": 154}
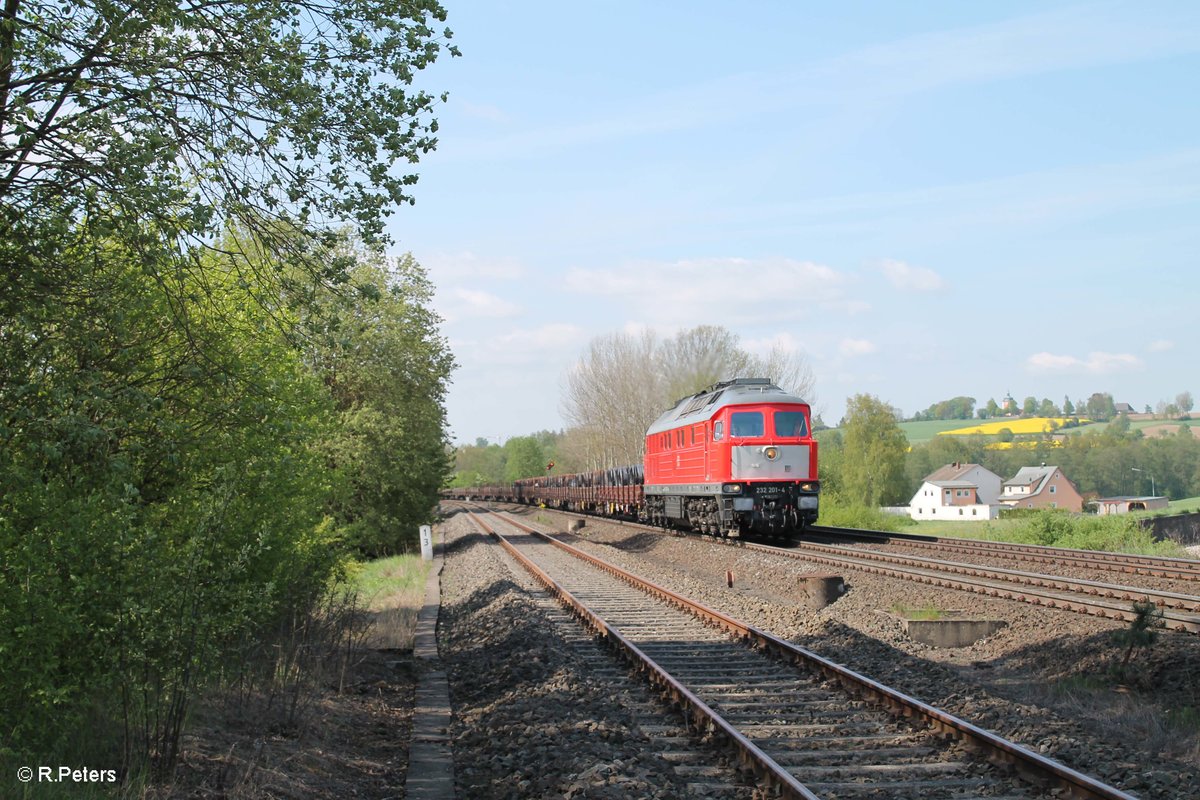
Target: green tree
{"x": 872, "y": 472}
{"x": 143, "y": 462}
{"x": 478, "y": 465}
{"x": 1183, "y": 401}
{"x": 1100, "y": 407}
{"x": 172, "y": 181}
{"x": 387, "y": 367}
{"x": 525, "y": 458}
{"x": 248, "y": 111}
{"x": 1068, "y": 408}
{"x": 1029, "y": 407}
{"x": 954, "y": 408}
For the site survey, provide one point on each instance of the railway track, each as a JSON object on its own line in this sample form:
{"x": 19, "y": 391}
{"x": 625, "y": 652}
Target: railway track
{"x": 1180, "y": 612}
{"x": 1180, "y": 569}
{"x": 696, "y": 764}
{"x": 802, "y": 724}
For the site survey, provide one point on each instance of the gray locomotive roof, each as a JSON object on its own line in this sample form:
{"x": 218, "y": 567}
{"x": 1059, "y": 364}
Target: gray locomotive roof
{"x": 702, "y": 405}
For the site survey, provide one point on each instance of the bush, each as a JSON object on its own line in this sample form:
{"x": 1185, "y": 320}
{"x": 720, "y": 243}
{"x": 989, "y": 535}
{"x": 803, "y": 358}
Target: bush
{"x": 1118, "y": 533}
{"x": 836, "y": 515}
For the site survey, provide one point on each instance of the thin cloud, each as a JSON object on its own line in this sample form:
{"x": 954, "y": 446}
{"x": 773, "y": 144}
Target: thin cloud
{"x": 1095, "y": 364}
{"x": 851, "y": 348}
{"x": 784, "y": 342}
{"x": 909, "y": 278}
{"x": 483, "y": 111}
{"x": 466, "y": 265}
{"x": 1066, "y": 39}
{"x": 459, "y": 304}
{"x": 725, "y": 290}
{"x": 1161, "y": 346}
{"x": 550, "y": 342}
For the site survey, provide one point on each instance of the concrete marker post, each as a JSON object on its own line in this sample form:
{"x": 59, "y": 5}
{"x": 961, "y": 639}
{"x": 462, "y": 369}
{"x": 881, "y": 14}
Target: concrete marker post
{"x": 426, "y": 543}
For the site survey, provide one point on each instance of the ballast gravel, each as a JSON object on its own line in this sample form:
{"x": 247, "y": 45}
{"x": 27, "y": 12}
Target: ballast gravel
{"x": 1039, "y": 681}
{"x": 530, "y": 719}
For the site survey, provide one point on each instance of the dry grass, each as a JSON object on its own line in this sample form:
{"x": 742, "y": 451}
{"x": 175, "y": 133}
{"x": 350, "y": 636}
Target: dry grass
{"x": 393, "y": 591}
{"x": 1173, "y": 732}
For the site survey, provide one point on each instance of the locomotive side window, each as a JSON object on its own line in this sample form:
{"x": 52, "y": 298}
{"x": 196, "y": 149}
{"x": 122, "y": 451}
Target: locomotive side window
{"x": 718, "y": 431}
{"x": 746, "y": 423}
{"x": 790, "y": 423}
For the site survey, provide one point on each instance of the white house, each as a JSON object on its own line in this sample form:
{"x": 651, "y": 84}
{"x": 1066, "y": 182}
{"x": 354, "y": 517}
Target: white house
{"x": 958, "y": 492}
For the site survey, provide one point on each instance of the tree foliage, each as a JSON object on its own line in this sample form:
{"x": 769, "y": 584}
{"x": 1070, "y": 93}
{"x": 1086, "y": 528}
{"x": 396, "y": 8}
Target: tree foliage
{"x": 484, "y": 464}
{"x": 626, "y": 381}
{"x": 954, "y": 408}
{"x": 141, "y": 459}
{"x": 873, "y": 451}
{"x": 525, "y": 458}
{"x": 386, "y": 367}
{"x": 1099, "y": 407}
{"x": 214, "y": 112}
{"x": 178, "y": 458}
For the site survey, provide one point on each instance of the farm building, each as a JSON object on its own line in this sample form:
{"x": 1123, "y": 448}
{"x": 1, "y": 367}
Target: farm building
{"x": 1123, "y": 505}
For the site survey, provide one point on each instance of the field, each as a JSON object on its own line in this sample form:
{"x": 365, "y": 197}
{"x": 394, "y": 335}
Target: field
{"x": 1183, "y": 506}
{"x": 1015, "y": 424}
{"x": 925, "y": 430}
{"x": 993, "y": 530}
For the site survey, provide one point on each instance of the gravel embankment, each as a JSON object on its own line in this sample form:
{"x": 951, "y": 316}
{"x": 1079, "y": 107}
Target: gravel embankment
{"x": 532, "y": 719}
{"x": 1063, "y": 570}
{"x": 1043, "y": 681}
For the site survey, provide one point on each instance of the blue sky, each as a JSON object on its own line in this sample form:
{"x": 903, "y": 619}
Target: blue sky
{"x": 927, "y": 199}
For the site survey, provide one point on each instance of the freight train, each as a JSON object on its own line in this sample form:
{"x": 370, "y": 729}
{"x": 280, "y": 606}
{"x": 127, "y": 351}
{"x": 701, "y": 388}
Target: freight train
{"x": 736, "y": 458}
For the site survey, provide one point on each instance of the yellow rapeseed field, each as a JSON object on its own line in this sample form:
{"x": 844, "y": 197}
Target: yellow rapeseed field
{"x": 1029, "y": 445}
{"x": 1016, "y": 425}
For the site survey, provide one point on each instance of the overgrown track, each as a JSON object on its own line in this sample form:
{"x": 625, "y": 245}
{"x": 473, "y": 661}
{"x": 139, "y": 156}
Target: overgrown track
{"x": 801, "y": 723}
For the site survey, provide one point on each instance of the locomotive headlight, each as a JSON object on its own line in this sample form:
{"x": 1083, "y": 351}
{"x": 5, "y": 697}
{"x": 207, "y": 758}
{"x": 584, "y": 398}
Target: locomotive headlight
{"x": 731, "y": 488}
{"x": 807, "y": 487}
{"x": 771, "y": 453}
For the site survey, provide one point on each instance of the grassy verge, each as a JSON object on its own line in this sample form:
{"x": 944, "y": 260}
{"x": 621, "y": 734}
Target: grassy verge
{"x": 1118, "y": 533}
{"x": 392, "y": 590}
{"x": 1183, "y": 506}
{"x": 994, "y": 530}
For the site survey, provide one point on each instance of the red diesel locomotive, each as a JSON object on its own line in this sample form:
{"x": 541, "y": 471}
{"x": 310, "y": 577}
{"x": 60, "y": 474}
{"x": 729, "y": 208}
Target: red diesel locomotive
{"x": 738, "y": 457}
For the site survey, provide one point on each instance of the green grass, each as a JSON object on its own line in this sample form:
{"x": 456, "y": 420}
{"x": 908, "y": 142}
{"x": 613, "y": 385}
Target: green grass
{"x": 1119, "y": 533}
{"x": 392, "y": 590}
{"x": 925, "y": 430}
{"x": 1183, "y": 506}
{"x": 383, "y": 582}
{"x": 925, "y": 612}
{"x": 993, "y": 530}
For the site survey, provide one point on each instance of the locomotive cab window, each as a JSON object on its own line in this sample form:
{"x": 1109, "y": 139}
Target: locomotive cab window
{"x": 718, "y": 430}
{"x": 746, "y": 423}
{"x": 790, "y": 423}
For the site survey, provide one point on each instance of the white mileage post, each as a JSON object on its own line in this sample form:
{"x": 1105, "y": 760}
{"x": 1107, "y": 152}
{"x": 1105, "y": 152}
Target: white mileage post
{"x": 426, "y": 543}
